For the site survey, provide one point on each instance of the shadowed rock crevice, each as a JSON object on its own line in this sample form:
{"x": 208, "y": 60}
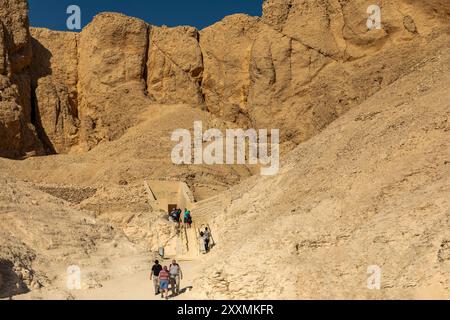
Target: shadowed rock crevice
{"x": 145, "y": 64}
{"x": 36, "y": 120}
{"x": 10, "y": 283}
{"x": 44, "y": 70}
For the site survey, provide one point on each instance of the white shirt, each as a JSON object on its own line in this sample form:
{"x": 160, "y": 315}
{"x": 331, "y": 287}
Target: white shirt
{"x": 174, "y": 269}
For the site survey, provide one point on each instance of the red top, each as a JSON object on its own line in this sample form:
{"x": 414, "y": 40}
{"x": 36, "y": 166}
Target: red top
{"x": 164, "y": 275}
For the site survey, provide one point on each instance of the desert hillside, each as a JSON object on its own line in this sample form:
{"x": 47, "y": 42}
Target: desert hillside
{"x": 86, "y": 121}
{"x": 373, "y": 188}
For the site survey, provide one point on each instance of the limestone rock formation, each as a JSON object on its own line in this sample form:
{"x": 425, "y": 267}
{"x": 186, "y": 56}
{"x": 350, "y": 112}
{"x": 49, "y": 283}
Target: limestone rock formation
{"x": 226, "y": 52}
{"x": 17, "y": 134}
{"x": 297, "y": 68}
{"x": 54, "y": 83}
{"x": 175, "y": 66}
{"x": 364, "y": 112}
{"x": 369, "y": 190}
{"x": 14, "y": 17}
{"x": 113, "y": 52}
{"x": 306, "y": 62}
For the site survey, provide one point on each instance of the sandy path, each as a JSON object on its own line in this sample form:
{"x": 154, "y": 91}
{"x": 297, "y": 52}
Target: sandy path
{"x": 138, "y": 286}
{"x": 128, "y": 277}
{"x": 133, "y": 286}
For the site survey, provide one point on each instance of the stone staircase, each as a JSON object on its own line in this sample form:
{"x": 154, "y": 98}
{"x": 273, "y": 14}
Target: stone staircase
{"x": 187, "y": 242}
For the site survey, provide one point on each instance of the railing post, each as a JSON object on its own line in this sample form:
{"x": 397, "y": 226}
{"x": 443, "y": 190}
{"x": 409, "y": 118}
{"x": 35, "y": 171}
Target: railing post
{"x": 187, "y": 238}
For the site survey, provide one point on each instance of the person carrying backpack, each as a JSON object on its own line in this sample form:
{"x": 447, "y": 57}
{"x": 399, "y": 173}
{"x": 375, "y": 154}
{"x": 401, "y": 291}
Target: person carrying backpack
{"x": 187, "y": 218}
{"x": 154, "y": 275}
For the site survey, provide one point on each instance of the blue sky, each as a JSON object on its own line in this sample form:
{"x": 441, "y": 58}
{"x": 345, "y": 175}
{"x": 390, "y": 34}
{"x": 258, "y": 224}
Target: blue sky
{"x": 198, "y": 13}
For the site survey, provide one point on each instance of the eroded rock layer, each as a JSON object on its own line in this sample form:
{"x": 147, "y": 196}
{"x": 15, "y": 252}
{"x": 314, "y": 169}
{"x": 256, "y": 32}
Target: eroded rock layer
{"x": 297, "y": 68}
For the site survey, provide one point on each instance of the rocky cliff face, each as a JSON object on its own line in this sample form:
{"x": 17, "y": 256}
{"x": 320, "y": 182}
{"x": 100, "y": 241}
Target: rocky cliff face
{"x": 112, "y": 66}
{"x": 369, "y": 190}
{"x": 298, "y": 67}
{"x": 175, "y": 66}
{"x": 54, "y": 71}
{"x": 17, "y": 134}
{"x": 306, "y": 62}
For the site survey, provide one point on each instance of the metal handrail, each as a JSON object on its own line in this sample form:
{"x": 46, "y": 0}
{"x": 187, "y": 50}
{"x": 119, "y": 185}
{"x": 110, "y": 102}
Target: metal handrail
{"x": 210, "y": 231}
{"x": 186, "y": 236}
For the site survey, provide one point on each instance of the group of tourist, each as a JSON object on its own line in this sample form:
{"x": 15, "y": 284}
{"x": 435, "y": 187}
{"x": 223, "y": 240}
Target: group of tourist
{"x": 175, "y": 216}
{"x": 165, "y": 277}
{"x": 170, "y": 277}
